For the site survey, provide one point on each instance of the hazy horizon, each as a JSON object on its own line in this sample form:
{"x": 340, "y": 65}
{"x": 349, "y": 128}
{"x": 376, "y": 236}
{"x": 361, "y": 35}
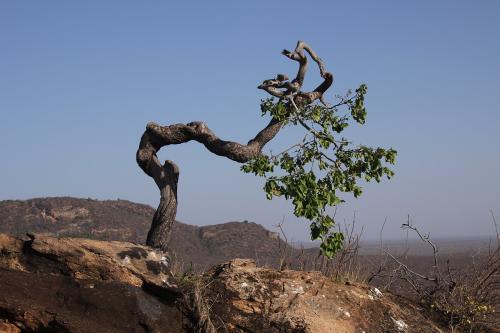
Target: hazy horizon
{"x": 79, "y": 82}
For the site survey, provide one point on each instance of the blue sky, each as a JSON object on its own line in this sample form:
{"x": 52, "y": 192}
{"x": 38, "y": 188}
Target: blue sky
{"x": 80, "y": 80}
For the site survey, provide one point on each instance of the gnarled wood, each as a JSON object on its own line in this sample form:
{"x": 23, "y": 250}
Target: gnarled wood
{"x": 166, "y": 176}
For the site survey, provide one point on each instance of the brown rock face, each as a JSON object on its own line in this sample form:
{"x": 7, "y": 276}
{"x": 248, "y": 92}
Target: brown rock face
{"x": 255, "y": 299}
{"x": 79, "y": 285}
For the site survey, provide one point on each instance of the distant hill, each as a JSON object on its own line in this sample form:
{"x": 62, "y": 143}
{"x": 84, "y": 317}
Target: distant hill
{"x": 202, "y": 247}
{"x": 127, "y": 221}
{"x": 72, "y": 217}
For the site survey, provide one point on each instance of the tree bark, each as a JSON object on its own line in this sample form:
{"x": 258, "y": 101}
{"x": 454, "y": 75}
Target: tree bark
{"x": 161, "y": 227}
{"x": 166, "y": 176}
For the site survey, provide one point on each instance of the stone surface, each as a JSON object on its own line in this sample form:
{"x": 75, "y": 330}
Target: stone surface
{"x": 6, "y": 327}
{"x": 248, "y": 298}
{"x": 79, "y": 285}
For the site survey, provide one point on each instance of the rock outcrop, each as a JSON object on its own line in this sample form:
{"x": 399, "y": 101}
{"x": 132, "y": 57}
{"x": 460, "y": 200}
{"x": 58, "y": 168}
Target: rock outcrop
{"x": 78, "y": 285}
{"x": 247, "y": 298}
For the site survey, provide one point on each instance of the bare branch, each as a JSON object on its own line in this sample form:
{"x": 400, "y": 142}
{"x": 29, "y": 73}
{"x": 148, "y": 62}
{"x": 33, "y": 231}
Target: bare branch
{"x": 426, "y": 239}
{"x": 292, "y": 88}
{"x": 423, "y": 277}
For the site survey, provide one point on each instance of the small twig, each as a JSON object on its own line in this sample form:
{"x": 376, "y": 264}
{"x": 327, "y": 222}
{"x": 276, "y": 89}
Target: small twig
{"x": 282, "y": 248}
{"x": 495, "y": 225}
{"x": 424, "y": 277}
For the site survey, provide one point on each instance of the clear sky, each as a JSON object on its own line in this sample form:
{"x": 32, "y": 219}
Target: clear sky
{"x": 80, "y": 80}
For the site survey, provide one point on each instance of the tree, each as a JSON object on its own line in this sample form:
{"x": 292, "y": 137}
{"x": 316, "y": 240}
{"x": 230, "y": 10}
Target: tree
{"x": 311, "y": 173}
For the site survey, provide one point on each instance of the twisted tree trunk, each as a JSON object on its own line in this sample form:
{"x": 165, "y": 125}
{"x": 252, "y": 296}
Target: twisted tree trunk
{"x": 166, "y": 175}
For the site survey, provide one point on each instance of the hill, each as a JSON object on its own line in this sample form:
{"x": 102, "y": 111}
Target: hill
{"x": 122, "y": 220}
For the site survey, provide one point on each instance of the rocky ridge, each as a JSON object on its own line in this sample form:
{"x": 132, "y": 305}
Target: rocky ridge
{"x": 79, "y": 285}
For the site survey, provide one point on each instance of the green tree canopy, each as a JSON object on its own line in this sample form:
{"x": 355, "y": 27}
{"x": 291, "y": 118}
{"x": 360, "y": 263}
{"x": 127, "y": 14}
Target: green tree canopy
{"x": 314, "y": 172}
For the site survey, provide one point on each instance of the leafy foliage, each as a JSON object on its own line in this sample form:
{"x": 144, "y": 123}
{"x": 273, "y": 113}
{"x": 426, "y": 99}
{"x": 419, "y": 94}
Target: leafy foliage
{"x": 316, "y": 170}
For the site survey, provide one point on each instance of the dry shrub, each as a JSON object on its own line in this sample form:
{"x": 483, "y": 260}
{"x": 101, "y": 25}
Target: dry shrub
{"x": 466, "y": 299}
{"x": 345, "y": 266}
{"x": 196, "y": 304}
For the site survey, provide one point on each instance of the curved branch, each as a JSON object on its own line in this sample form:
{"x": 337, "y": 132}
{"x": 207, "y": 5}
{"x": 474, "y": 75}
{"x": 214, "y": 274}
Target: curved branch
{"x": 293, "y": 88}
{"x": 157, "y": 136}
{"x": 303, "y": 46}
